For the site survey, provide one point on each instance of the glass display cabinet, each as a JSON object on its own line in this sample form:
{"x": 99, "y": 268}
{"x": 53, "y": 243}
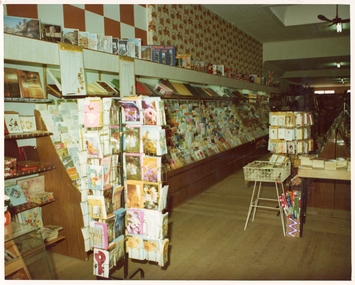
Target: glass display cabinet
{"x": 25, "y": 253}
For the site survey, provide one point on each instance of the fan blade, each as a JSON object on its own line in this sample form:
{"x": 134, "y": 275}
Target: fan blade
{"x": 345, "y": 21}
{"x": 323, "y": 18}
{"x": 328, "y": 25}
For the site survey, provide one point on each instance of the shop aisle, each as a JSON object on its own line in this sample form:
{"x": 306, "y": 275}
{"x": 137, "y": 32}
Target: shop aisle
{"x": 208, "y": 242}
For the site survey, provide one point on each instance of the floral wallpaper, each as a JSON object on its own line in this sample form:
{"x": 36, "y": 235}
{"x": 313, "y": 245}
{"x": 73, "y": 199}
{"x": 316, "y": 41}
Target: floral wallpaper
{"x": 195, "y": 30}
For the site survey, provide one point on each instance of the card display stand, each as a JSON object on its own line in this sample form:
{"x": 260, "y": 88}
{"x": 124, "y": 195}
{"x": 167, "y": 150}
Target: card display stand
{"x": 263, "y": 171}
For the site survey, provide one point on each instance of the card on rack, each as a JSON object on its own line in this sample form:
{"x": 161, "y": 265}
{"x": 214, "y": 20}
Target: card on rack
{"x": 134, "y": 221}
{"x": 164, "y": 257}
{"x": 70, "y": 36}
{"x": 97, "y": 207}
{"x": 132, "y": 111}
{"x": 152, "y": 249}
{"x": 92, "y": 144}
{"x": 101, "y": 262}
{"x": 155, "y": 224}
{"x": 95, "y": 174}
{"x": 106, "y": 165}
{"x": 151, "y": 195}
{"x": 154, "y": 140}
{"x": 133, "y": 165}
{"x": 119, "y": 227}
{"x": 134, "y": 194}
{"x": 98, "y": 234}
{"x": 108, "y": 194}
{"x": 151, "y": 171}
{"x": 135, "y": 246}
{"x": 132, "y": 139}
{"x": 93, "y": 116}
{"x": 116, "y": 197}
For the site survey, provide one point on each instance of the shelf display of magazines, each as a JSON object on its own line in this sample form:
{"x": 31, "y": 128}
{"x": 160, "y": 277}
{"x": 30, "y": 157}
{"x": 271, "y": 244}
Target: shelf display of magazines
{"x": 199, "y": 129}
{"x": 144, "y": 143}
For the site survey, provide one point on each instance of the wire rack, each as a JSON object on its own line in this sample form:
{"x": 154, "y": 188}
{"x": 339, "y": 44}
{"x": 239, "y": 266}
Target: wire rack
{"x": 264, "y": 171}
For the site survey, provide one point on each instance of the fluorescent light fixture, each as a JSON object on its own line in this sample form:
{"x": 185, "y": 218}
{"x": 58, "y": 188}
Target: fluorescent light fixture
{"x": 339, "y": 28}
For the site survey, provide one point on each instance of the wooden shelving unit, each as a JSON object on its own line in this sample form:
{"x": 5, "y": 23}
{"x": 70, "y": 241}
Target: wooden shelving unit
{"x": 183, "y": 183}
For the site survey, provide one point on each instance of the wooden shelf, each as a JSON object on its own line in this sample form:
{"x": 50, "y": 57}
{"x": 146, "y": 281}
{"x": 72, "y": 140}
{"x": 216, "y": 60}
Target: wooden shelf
{"x": 46, "y": 244}
{"x": 40, "y": 169}
{"x": 29, "y": 135}
{"x": 109, "y": 63}
{"x": 27, "y": 100}
{"x": 30, "y": 205}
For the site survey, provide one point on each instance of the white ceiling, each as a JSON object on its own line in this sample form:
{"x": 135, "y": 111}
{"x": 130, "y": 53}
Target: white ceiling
{"x": 280, "y": 23}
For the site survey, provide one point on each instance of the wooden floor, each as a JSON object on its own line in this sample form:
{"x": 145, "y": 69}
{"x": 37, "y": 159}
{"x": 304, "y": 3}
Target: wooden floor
{"x": 208, "y": 242}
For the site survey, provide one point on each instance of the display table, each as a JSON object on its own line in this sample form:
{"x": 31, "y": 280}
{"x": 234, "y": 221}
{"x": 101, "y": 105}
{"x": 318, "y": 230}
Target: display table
{"x": 305, "y": 172}
{"x": 312, "y": 173}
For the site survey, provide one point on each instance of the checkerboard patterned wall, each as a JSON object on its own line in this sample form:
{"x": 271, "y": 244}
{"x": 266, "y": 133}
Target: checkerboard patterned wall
{"x": 119, "y": 21}
{"x": 192, "y": 29}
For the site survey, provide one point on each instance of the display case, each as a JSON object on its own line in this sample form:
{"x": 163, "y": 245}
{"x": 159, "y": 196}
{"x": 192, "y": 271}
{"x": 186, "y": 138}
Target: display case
{"x": 25, "y": 253}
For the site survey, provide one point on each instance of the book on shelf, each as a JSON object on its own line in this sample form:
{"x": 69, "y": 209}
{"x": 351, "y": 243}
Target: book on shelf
{"x": 83, "y": 39}
{"x": 30, "y": 84}
{"x": 181, "y": 89}
{"x": 11, "y": 83}
{"x": 115, "y": 46}
{"x": 122, "y": 47}
{"x": 318, "y": 163}
{"x": 105, "y": 87}
{"x": 330, "y": 164}
{"x": 134, "y": 47}
{"x": 92, "y": 41}
{"x": 22, "y": 26}
{"x": 51, "y": 32}
{"x": 50, "y": 232}
{"x": 70, "y": 36}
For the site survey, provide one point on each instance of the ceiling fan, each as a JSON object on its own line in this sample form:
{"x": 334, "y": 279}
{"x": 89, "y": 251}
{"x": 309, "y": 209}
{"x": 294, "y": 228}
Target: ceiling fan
{"x": 336, "y": 21}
